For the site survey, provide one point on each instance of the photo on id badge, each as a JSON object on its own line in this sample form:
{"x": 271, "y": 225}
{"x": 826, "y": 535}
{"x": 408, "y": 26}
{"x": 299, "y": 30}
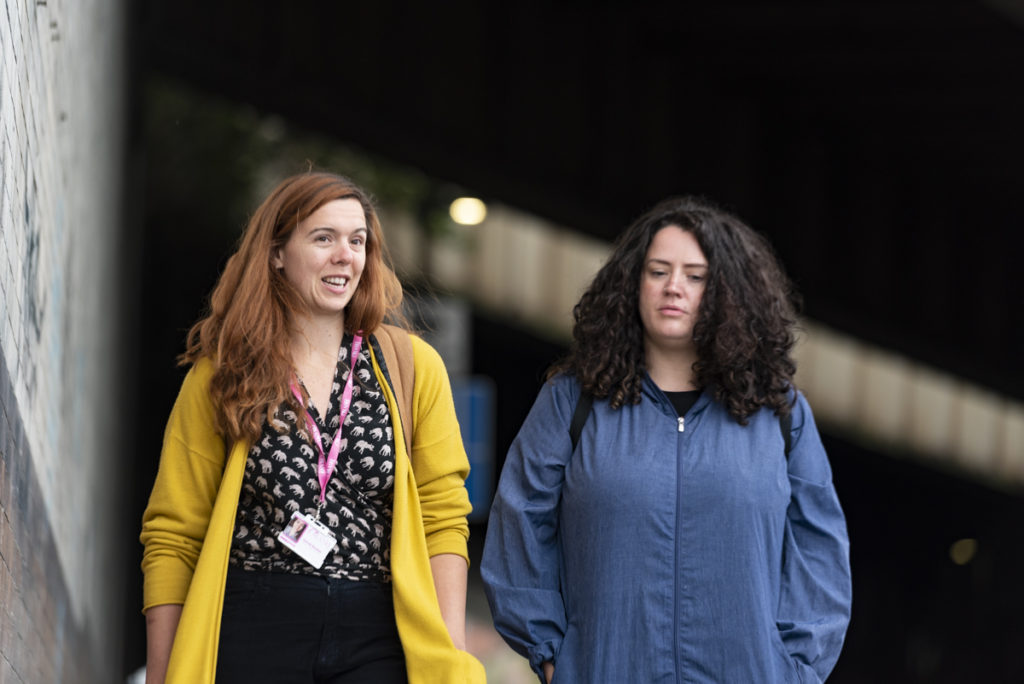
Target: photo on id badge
{"x": 296, "y": 526}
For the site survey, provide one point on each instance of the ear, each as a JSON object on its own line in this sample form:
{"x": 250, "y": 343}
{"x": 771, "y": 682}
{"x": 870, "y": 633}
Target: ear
{"x": 276, "y": 260}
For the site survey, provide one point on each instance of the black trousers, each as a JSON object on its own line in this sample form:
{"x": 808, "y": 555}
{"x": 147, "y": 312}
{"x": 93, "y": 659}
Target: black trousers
{"x": 295, "y": 629}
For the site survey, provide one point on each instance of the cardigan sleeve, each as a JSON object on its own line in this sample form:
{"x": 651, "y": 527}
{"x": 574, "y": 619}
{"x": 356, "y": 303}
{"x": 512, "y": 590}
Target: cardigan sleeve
{"x": 175, "y": 521}
{"x": 816, "y": 592}
{"x": 522, "y": 558}
{"x": 439, "y": 460}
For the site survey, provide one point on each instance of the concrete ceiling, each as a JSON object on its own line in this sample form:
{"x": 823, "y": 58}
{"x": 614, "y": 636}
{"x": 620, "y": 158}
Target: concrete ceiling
{"x": 878, "y": 144}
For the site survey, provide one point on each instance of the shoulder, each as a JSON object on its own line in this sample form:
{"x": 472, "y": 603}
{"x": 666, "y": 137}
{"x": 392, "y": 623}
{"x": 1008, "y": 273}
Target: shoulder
{"x": 423, "y": 353}
{"x": 564, "y": 386}
{"x": 196, "y": 385}
{"x": 800, "y": 409}
{"x": 202, "y": 371}
{"x": 194, "y": 417}
{"x": 428, "y": 364}
{"x": 559, "y": 395}
{"x": 425, "y": 357}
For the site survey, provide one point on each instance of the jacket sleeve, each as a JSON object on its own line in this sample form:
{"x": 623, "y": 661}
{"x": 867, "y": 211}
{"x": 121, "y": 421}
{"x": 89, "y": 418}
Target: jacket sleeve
{"x": 439, "y": 460}
{"x": 175, "y": 521}
{"x": 815, "y": 597}
{"x": 522, "y": 556}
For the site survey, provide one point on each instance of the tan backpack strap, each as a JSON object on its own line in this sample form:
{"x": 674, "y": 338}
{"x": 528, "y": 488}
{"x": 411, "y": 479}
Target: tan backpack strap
{"x": 396, "y": 348}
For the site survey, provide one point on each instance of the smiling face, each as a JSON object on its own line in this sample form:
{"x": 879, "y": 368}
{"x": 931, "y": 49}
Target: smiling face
{"x": 674, "y": 276}
{"x": 324, "y": 256}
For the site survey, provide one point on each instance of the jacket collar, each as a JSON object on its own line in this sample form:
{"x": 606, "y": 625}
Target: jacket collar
{"x": 657, "y": 396}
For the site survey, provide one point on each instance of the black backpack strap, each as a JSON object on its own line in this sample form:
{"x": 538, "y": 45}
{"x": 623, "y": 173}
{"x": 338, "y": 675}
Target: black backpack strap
{"x": 786, "y": 425}
{"x": 579, "y": 417}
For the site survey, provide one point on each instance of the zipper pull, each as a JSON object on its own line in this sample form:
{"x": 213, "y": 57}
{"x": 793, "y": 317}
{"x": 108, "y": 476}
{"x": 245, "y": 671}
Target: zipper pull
{"x": 681, "y": 423}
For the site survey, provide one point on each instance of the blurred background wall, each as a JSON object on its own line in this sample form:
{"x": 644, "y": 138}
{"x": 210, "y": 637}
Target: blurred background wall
{"x": 877, "y": 145}
{"x": 66, "y": 271}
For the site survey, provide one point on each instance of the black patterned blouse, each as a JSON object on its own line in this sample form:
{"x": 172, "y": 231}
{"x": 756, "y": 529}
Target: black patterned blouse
{"x": 280, "y": 477}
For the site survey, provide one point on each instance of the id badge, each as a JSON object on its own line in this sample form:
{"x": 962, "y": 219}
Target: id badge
{"x": 308, "y": 538}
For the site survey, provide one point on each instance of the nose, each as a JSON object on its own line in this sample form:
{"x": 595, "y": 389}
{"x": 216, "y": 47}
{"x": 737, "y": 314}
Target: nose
{"x": 674, "y": 284}
{"x": 342, "y": 253}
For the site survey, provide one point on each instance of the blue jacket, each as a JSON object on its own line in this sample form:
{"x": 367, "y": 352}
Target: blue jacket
{"x": 668, "y": 551}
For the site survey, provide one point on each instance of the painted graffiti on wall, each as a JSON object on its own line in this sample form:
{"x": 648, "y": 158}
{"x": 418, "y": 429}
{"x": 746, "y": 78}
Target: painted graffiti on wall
{"x": 61, "y": 123}
{"x": 32, "y": 305}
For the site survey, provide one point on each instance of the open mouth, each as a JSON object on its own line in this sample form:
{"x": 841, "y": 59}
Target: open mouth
{"x": 336, "y": 281}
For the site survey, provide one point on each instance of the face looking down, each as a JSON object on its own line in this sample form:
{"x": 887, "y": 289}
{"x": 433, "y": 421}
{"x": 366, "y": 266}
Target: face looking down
{"x": 674, "y": 276}
{"x": 324, "y": 256}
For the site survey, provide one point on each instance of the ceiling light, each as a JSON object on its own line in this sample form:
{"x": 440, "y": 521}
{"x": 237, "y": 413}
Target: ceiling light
{"x": 962, "y": 551}
{"x": 469, "y": 211}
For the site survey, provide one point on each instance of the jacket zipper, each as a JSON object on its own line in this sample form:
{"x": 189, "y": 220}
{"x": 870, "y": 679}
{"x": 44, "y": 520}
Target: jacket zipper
{"x": 680, "y": 425}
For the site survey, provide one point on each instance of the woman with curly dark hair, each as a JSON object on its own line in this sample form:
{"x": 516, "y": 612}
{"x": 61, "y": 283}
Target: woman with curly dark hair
{"x": 667, "y": 512}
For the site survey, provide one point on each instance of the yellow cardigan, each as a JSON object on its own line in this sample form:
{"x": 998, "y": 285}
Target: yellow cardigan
{"x": 189, "y": 522}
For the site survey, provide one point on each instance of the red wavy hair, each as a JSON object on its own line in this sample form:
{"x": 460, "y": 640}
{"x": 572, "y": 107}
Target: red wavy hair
{"x": 246, "y": 330}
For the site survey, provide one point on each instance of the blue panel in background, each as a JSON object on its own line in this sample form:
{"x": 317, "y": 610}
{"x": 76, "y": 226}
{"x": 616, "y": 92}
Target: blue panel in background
{"x": 474, "y": 406}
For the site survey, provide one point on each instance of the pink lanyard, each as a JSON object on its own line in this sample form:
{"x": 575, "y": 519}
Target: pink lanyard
{"x": 325, "y": 465}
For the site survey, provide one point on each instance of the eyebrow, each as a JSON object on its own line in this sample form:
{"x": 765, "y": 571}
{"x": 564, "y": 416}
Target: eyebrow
{"x": 332, "y": 229}
{"x": 669, "y": 263}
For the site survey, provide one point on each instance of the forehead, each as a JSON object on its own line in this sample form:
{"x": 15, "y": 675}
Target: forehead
{"x": 672, "y": 244}
{"x": 340, "y": 213}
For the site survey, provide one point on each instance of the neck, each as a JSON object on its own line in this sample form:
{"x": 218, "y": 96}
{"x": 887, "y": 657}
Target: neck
{"x": 671, "y": 369}
{"x": 313, "y": 339}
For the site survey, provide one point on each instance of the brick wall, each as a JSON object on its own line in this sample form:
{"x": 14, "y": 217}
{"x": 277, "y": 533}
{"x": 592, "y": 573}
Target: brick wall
{"x": 62, "y": 539}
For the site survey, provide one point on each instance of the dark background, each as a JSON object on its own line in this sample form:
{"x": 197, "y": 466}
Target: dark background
{"x": 877, "y": 144}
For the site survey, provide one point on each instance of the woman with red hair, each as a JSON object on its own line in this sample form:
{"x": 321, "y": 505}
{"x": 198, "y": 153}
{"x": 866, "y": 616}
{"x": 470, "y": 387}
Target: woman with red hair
{"x": 308, "y": 520}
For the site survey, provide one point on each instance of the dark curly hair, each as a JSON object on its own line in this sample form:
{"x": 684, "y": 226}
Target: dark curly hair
{"x": 745, "y": 328}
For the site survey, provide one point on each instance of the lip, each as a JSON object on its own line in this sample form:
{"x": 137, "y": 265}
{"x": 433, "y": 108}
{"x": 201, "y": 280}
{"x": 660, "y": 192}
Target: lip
{"x": 337, "y": 288}
{"x": 672, "y": 311}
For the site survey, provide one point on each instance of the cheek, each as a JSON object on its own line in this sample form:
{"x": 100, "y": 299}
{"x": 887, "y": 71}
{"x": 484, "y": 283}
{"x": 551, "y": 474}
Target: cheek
{"x": 648, "y": 294}
{"x": 646, "y": 305}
